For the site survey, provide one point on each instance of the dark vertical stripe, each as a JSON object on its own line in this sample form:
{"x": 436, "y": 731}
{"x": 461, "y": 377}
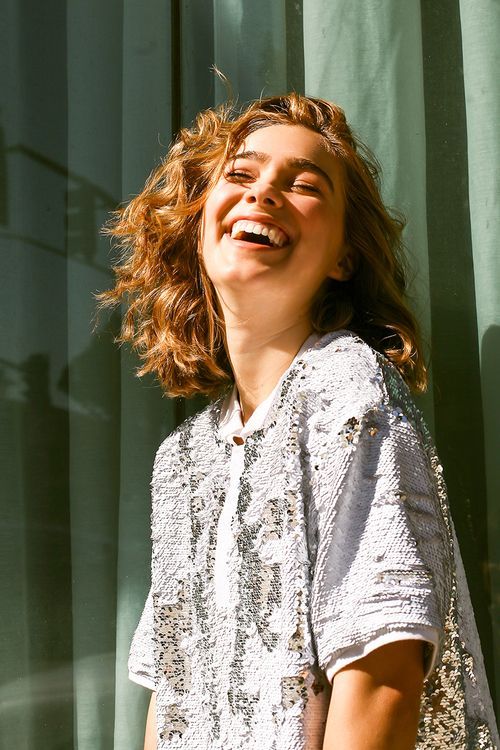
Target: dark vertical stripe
{"x": 4, "y": 217}
{"x": 43, "y": 426}
{"x": 197, "y": 58}
{"x": 455, "y": 358}
{"x": 175, "y": 65}
{"x": 295, "y": 77}
{"x": 176, "y": 89}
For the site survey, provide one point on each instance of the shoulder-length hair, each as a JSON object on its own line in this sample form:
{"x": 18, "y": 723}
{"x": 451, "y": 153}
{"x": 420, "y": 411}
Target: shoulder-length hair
{"x": 171, "y": 313}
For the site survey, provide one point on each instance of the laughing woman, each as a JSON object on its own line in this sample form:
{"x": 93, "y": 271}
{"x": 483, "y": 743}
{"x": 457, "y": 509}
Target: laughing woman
{"x": 307, "y": 589}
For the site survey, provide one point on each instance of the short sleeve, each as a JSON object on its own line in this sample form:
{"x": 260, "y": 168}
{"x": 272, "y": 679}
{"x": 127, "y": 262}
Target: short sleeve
{"x": 141, "y": 656}
{"x": 381, "y": 564}
{"x": 428, "y": 636}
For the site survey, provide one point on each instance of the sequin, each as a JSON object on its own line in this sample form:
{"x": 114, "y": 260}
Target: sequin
{"x": 293, "y": 690}
{"x": 175, "y": 721}
{"x": 343, "y": 447}
{"x": 173, "y": 622}
{"x": 350, "y": 432}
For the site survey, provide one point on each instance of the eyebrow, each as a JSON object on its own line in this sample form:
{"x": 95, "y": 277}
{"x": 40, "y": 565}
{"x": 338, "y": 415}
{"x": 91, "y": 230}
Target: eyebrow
{"x": 296, "y": 162}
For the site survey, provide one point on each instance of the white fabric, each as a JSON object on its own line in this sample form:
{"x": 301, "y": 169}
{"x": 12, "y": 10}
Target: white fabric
{"x": 146, "y": 682}
{"x": 141, "y": 666}
{"x": 231, "y": 426}
{"x": 343, "y": 535}
{"x": 421, "y": 633}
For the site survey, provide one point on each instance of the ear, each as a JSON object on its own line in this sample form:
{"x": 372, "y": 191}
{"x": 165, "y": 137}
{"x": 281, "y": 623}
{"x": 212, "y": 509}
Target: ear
{"x": 344, "y": 266}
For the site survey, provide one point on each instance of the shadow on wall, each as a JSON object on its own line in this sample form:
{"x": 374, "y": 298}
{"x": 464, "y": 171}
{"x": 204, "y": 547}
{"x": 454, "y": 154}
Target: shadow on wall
{"x": 85, "y": 203}
{"x": 61, "y": 537}
{"x": 41, "y": 535}
{"x": 50, "y": 691}
{"x": 462, "y": 402}
{"x": 35, "y": 554}
{"x": 490, "y": 371}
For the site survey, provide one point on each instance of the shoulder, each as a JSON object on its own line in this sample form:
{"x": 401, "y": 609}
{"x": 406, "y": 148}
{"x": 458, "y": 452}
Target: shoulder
{"x": 351, "y": 384}
{"x": 344, "y": 369}
{"x": 347, "y": 379}
{"x": 177, "y": 444}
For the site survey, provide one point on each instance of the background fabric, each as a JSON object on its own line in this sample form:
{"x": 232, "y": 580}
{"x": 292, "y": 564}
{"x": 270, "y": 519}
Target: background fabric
{"x": 92, "y": 94}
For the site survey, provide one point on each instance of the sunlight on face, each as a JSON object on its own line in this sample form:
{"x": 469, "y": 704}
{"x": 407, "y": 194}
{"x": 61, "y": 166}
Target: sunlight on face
{"x": 274, "y": 221}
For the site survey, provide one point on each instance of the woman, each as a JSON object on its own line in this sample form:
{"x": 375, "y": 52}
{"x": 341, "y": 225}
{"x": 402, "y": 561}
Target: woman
{"x": 307, "y": 589}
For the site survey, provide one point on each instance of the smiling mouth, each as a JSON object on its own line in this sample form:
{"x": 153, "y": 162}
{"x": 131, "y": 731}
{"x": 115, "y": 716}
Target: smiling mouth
{"x": 258, "y": 234}
{"x": 253, "y": 239}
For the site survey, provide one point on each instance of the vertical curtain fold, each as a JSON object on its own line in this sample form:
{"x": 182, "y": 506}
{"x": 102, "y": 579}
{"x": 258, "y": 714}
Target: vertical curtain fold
{"x": 480, "y": 24}
{"x": 94, "y": 64}
{"x": 35, "y": 561}
{"x": 371, "y": 65}
{"x": 94, "y": 93}
{"x": 145, "y": 417}
{"x": 458, "y": 400}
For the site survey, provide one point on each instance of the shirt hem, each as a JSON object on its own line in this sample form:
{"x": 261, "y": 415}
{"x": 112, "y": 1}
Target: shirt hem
{"x": 143, "y": 680}
{"x": 353, "y": 653}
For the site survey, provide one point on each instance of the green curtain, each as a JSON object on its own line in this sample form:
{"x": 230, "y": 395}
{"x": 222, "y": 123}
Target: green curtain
{"x": 92, "y": 94}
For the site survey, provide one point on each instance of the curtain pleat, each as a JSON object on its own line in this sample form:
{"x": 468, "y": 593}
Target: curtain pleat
{"x": 370, "y": 64}
{"x": 94, "y": 93}
{"x": 480, "y": 25}
{"x": 454, "y": 304}
{"x": 94, "y": 64}
{"x": 145, "y": 417}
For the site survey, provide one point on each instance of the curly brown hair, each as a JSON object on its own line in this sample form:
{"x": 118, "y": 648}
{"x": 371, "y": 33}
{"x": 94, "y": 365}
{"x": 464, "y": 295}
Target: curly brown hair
{"x": 172, "y": 317}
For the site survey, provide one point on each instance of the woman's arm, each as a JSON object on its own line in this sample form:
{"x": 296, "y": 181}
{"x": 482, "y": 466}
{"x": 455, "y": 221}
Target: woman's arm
{"x": 375, "y": 700}
{"x": 150, "y": 736}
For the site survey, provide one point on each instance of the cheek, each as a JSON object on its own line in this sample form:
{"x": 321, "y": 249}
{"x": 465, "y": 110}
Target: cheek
{"x": 208, "y": 225}
{"x": 208, "y": 236}
{"x": 208, "y": 215}
{"x": 327, "y": 225}
{"x": 204, "y": 245}
{"x": 219, "y": 201}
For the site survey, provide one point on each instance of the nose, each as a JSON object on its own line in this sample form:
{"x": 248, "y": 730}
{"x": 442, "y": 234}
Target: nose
{"x": 264, "y": 193}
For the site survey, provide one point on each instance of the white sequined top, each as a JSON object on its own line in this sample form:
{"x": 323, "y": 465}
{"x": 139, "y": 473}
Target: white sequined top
{"x": 340, "y": 536}
{"x": 231, "y": 426}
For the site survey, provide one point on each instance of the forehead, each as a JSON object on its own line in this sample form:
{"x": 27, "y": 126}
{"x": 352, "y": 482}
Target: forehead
{"x": 289, "y": 142}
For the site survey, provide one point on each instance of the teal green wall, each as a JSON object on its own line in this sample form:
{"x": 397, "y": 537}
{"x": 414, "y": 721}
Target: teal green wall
{"x": 92, "y": 94}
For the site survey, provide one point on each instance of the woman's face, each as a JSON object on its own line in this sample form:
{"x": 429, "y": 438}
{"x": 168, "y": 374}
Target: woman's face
{"x": 274, "y": 221}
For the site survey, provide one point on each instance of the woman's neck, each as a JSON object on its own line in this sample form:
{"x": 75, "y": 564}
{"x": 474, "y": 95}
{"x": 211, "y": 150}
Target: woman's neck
{"x": 260, "y": 357}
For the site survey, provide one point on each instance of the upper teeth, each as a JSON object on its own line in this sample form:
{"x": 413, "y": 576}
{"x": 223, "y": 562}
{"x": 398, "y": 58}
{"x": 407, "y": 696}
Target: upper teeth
{"x": 276, "y": 236}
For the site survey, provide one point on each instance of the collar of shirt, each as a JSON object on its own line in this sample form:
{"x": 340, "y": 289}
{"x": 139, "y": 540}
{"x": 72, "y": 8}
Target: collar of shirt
{"x": 230, "y": 423}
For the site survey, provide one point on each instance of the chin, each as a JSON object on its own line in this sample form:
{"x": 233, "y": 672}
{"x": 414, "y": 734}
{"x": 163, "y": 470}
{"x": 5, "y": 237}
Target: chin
{"x": 243, "y": 278}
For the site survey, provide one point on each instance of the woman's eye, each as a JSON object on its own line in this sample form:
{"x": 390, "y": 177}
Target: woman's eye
{"x": 237, "y": 174}
{"x": 306, "y": 186}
